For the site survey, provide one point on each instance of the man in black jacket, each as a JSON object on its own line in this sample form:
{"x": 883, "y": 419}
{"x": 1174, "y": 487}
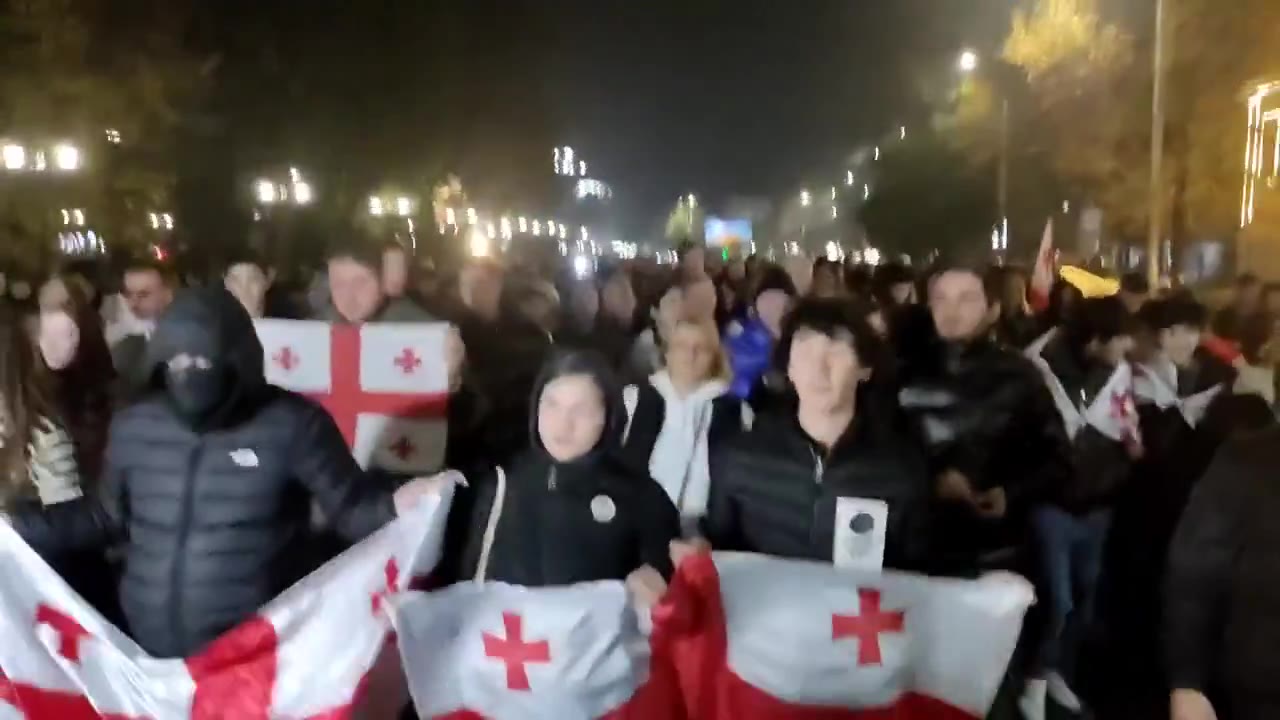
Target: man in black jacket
{"x": 209, "y": 481}
{"x": 831, "y": 479}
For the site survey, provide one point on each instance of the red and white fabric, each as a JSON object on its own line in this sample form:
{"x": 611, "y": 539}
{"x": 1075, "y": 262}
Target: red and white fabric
{"x": 1154, "y": 383}
{"x": 385, "y": 384}
{"x": 319, "y": 651}
{"x": 1112, "y": 411}
{"x": 491, "y": 650}
{"x": 761, "y": 638}
{"x": 1042, "y": 274}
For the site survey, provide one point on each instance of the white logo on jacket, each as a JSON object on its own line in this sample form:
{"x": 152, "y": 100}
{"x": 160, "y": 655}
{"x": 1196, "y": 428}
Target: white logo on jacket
{"x": 244, "y": 457}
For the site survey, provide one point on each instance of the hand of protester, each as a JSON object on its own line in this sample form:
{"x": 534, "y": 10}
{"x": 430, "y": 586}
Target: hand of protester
{"x": 411, "y": 493}
{"x": 953, "y": 485}
{"x": 681, "y": 549}
{"x": 992, "y": 504}
{"x": 646, "y": 586}
{"x": 1190, "y": 705}
{"x": 455, "y": 355}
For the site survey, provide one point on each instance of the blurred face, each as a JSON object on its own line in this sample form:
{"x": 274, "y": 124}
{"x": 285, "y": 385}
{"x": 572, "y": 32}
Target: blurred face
{"x": 571, "y": 417}
{"x": 826, "y": 282}
{"x": 737, "y": 271}
{"x": 771, "y": 307}
{"x": 903, "y": 293}
{"x": 1249, "y": 296}
{"x": 1179, "y": 343}
{"x": 480, "y": 289}
{"x": 959, "y": 306}
{"x": 249, "y": 284}
{"x": 700, "y": 300}
{"x": 58, "y": 337}
{"x": 619, "y": 299}
{"x": 691, "y": 353}
{"x": 586, "y": 302}
{"x": 825, "y": 370}
{"x": 395, "y": 272}
{"x": 53, "y": 295}
{"x": 355, "y": 289}
{"x": 146, "y": 294}
{"x": 1113, "y": 351}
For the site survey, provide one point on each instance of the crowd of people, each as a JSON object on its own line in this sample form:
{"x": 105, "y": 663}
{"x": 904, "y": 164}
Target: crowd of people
{"x": 1118, "y": 451}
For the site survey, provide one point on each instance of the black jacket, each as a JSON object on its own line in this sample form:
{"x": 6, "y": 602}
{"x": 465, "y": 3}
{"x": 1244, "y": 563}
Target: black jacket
{"x": 1222, "y": 596}
{"x": 560, "y": 523}
{"x": 774, "y": 492}
{"x": 214, "y": 522}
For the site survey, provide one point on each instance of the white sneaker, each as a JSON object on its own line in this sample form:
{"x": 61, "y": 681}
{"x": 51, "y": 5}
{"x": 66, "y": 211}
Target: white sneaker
{"x": 1062, "y": 694}
{"x": 1032, "y": 701}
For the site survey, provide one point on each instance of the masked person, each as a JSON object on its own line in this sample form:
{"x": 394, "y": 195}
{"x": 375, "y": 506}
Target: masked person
{"x": 826, "y": 476}
{"x": 209, "y": 481}
{"x": 566, "y": 510}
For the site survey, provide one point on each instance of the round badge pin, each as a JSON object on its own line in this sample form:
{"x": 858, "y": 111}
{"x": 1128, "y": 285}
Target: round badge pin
{"x": 603, "y": 509}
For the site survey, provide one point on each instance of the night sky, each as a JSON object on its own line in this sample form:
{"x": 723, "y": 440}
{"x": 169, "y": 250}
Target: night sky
{"x": 662, "y": 97}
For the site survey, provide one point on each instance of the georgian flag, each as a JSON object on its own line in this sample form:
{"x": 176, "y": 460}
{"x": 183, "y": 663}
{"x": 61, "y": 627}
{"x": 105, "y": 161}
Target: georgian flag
{"x": 760, "y": 638}
{"x": 385, "y": 384}
{"x": 1112, "y": 411}
{"x": 1155, "y": 383}
{"x": 498, "y": 651}
{"x": 319, "y": 651}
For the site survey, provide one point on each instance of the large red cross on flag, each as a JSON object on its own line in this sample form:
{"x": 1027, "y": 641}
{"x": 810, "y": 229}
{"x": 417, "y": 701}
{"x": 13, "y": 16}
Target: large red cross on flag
{"x": 760, "y": 638}
{"x": 385, "y": 384}
{"x": 316, "y": 652}
{"x": 1111, "y": 412}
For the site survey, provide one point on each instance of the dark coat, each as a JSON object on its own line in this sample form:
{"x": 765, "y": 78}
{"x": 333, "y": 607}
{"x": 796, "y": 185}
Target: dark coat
{"x": 1222, "y": 595}
{"x": 214, "y": 522}
{"x": 558, "y": 523}
{"x": 774, "y": 492}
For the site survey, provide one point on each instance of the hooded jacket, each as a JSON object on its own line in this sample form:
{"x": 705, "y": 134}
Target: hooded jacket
{"x": 538, "y": 522}
{"x": 213, "y": 518}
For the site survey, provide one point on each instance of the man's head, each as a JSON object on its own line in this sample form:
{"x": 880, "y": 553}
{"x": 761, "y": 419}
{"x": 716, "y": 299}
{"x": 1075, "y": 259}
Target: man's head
{"x": 828, "y": 279}
{"x": 894, "y": 285}
{"x": 617, "y": 297}
{"x": 1134, "y": 291}
{"x": 480, "y": 288}
{"x": 828, "y": 350}
{"x": 355, "y": 282}
{"x": 148, "y": 289}
{"x": 248, "y": 279}
{"x": 960, "y": 300}
{"x": 772, "y": 297}
{"x": 1248, "y": 293}
{"x": 1176, "y": 323}
{"x": 395, "y": 270}
{"x": 1102, "y": 329}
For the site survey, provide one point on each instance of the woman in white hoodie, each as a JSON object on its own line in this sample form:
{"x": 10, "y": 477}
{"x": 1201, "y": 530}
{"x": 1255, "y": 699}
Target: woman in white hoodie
{"x": 675, "y": 418}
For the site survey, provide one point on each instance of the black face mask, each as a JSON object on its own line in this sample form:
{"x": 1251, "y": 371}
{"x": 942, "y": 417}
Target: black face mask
{"x": 198, "y": 394}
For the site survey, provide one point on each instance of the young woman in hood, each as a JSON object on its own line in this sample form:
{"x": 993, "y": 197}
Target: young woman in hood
{"x": 683, "y": 410}
{"x": 566, "y": 510}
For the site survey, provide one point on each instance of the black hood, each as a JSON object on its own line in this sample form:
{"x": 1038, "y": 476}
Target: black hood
{"x": 212, "y": 323}
{"x": 592, "y": 364}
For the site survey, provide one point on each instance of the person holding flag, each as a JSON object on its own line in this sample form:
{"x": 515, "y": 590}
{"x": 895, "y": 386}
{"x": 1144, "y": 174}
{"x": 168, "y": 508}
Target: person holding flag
{"x": 208, "y": 483}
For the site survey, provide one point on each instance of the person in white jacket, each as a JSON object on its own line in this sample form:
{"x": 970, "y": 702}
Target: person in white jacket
{"x": 675, "y": 418}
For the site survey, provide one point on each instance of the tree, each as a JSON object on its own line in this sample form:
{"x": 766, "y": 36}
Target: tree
{"x": 72, "y": 70}
{"x": 687, "y": 221}
{"x": 928, "y": 198}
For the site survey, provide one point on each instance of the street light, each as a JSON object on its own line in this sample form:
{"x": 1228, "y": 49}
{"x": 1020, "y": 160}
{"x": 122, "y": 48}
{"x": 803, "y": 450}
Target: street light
{"x": 968, "y": 61}
{"x": 805, "y": 198}
{"x": 375, "y": 206}
{"x": 266, "y": 191}
{"x": 848, "y": 177}
{"x": 301, "y": 192}
{"x": 66, "y": 157}
{"x": 15, "y": 156}
{"x": 404, "y": 206}
{"x": 524, "y": 224}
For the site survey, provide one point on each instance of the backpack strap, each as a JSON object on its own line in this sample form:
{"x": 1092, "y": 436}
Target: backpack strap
{"x": 491, "y": 525}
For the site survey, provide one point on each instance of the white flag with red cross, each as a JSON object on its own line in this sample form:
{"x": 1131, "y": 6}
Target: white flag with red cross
{"x": 385, "y": 384}
{"x": 1112, "y": 412}
{"x": 761, "y": 638}
{"x": 319, "y": 651}
{"x": 497, "y": 651}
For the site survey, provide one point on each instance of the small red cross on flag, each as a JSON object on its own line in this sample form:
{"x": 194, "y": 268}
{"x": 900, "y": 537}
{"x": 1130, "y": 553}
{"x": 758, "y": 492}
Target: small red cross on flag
{"x": 514, "y": 652}
{"x": 867, "y": 626}
{"x": 383, "y": 383}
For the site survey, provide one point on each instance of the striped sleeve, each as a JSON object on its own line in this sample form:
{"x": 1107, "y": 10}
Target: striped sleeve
{"x": 52, "y": 468}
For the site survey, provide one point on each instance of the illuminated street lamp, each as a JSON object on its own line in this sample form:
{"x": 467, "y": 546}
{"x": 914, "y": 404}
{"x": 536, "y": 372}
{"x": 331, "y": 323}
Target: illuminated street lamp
{"x": 848, "y": 177}
{"x": 66, "y": 157}
{"x": 302, "y": 192}
{"x": 524, "y": 224}
{"x": 113, "y": 136}
{"x": 266, "y": 191}
{"x": 504, "y": 226}
{"x": 537, "y": 228}
{"x": 968, "y": 61}
{"x": 471, "y": 216}
{"x": 564, "y": 232}
{"x": 805, "y": 198}
{"x": 15, "y": 156}
{"x": 375, "y": 206}
{"x": 404, "y": 206}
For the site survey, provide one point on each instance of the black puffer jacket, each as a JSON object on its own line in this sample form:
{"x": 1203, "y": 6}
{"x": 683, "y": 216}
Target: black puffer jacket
{"x": 214, "y": 522}
{"x": 773, "y": 491}
{"x": 1222, "y": 596}
{"x": 557, "y": 523}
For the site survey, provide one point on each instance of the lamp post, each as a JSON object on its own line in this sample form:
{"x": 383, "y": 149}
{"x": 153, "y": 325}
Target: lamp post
{"x": 967, "y": 63}
{"x": 1155, "y": 198}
